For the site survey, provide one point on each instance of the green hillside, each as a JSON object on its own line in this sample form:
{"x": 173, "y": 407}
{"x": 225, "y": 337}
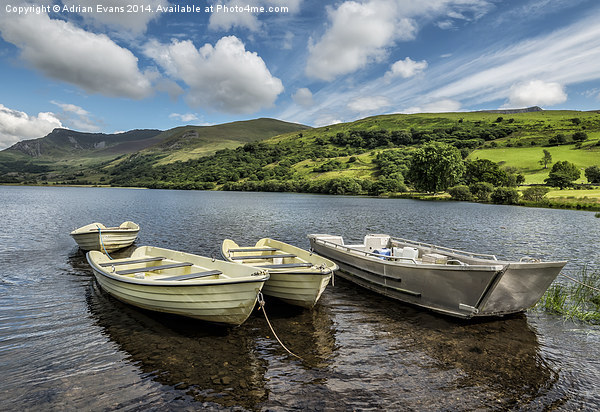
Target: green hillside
{"x": 368, "y": 156}
{"x": 66, "y": 156}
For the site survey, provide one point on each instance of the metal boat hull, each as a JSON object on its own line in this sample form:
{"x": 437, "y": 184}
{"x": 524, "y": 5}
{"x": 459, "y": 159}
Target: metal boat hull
{"x": 479, "y": 287}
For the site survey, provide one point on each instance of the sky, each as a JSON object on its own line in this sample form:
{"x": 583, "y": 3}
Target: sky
{"x": 116, "y": 65}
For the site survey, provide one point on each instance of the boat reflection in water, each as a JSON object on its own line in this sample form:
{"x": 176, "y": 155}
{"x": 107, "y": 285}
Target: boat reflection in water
{"x": 221, "y": 367}
{"x": 434, "y": 362}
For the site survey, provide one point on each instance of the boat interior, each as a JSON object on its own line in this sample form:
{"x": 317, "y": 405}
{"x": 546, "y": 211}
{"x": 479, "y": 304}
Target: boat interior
{"x": 385, "y": 247}
{"x": 266, "y": 257}
{"x": 159, "y": 268}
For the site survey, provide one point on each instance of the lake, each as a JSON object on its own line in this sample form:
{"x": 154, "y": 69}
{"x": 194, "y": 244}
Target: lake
{"x": 66, "y": 345}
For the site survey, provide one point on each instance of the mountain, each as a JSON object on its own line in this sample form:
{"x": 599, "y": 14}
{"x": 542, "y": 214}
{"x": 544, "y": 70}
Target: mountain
{"x": 67, "y": 153}
{"x": 62, "y": 143}
{"x": 514, "y": 111}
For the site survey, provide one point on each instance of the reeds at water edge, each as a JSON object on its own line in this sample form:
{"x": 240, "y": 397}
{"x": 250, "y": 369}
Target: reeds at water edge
{"x": 574, "y": 298}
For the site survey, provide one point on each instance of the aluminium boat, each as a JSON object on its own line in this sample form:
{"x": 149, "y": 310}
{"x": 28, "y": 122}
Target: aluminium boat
{"x": 444, "y": 280}
{"x": 297, "y": 277}
{"x": 170, "y": 281}
{"x": 96, "y": 236}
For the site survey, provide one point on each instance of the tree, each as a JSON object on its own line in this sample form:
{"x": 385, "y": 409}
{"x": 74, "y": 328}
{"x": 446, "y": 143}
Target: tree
{"x": 563, "y": 174}
{"x": 546, "y": 159}
{"x": 482, "y": 191}
{"x": 484, "y": 170}
{"x": 580, "y": 136}
{"x": 460, "y": 192}
{"x": 535, "y": 193}
{"x": 435, "y": 167}
{"x": 558, "y": 139}
{"x": 505, "y": 196}
{"x": 592, "y": 174}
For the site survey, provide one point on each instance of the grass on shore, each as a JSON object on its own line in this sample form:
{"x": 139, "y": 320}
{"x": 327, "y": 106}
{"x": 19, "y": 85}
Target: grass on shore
{"x": 575, "y": 300}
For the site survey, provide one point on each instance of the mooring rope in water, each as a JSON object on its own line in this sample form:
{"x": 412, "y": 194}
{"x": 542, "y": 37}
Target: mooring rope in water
{"x": 581, "y": 283}
{"x": 261, "y": 302}
{"x": 102, "y": 243}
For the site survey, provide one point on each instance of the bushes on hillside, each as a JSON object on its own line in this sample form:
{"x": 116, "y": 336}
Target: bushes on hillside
{"x": 481, "y": 191}
{"x": 505, "y": 196}
{"x": 460, "y": 192}
{"x": 535, "y": 193}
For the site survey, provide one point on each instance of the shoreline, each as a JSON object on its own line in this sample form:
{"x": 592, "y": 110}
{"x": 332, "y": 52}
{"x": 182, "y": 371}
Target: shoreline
{"x": 578, "y": 204}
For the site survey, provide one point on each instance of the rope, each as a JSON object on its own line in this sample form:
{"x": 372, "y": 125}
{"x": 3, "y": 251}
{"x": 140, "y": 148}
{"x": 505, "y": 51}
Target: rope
{"x": 102, "y": 243}
{"x": 582, "y": 284}
{"x": 261, "y": 302}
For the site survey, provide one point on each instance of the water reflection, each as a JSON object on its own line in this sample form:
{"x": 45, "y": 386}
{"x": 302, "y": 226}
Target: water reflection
{"x": 411, "y": 357}
{"x": 216, "y": 365}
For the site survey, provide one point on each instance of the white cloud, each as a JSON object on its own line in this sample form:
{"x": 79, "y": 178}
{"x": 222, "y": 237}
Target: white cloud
{"x": 326, "y": 120}
{"x": 16, "y": 125}
{"x": 226, "y": 18}
{"x": 368, "y": 104}
{"x": 67, "y": 107}
{"x": 406, "y": 68}
{"x": 439, "y": 106}
{"x": 303, "y": 97}
{"x": 536, "y": 93}
{"x": 65, "y": 52}
{"x": 77, "y": 117}
{"x": 567, "y": 56}
{"x": 134, "y": 22}
{"x": 225, "y": 77}
{"x": 359, "y": 34}
{"x": 187, "y": 117}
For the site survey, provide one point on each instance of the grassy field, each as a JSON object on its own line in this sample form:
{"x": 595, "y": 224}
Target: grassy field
{"x": 526, "y": 159}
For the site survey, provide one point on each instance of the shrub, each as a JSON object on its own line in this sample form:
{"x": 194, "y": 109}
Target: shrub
{"x": 482, "y": 191}
{"x": 535, "y": 193}
{"x": 505, "y": 196}
{"x": 460, "y": 192}
{"x": 579, "y": 136}
{"x": 592, "y": 174}
{"x": 563, "y": 174}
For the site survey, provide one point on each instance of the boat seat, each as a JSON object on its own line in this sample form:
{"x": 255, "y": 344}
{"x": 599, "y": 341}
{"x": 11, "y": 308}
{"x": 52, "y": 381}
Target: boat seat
{"x": 193, "y": 275}
{"x": 254, "y": 249}
{"x": 128, "y": 262}
{"x": 153, "y": 268}
{"x": 282, "y": 255}
{"x": 287, "y": 265}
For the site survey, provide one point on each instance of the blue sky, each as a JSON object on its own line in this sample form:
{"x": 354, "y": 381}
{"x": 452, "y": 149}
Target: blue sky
{"x": 103, "y": 66}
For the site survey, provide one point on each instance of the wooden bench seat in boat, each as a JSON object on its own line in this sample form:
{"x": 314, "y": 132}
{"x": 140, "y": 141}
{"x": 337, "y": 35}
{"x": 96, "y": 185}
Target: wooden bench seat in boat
{"x": 129, "y": 262}
{"x": 153, "y": 268}
{"x": 287, "y": 265}
{"x": 254, "y": 249}
{"x": 193, "y": 275}
{"x": 282, "y": 255}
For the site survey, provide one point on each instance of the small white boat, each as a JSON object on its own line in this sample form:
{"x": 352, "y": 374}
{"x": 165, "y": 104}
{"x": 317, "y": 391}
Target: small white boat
{"x": 169, "y": 281}
{"x": 96, "y": 236}
{"x": 298, "y": 277}
{"x": 441, "y": 279}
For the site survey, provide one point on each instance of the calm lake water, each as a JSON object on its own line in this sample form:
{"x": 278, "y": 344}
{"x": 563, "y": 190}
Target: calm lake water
{"x": 67, "y": 345}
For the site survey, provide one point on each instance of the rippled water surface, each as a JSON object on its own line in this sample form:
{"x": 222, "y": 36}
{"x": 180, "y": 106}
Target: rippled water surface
{"x": 65, "y": 344}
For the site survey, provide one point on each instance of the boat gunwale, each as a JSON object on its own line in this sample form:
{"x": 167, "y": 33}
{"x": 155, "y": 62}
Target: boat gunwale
{"x": 176, "y": 283}
{"x": 383, "y": 259}
{"x": 309, "y": 270}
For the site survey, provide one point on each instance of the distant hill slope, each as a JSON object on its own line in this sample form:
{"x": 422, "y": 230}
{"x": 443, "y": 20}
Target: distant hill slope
{"x": 62, "y": 143}
{"x": 67, "y": 153}
{"x": 189, "y": 142}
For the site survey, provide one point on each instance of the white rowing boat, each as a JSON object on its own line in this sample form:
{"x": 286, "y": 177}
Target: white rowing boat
{"x": 298, "y": 277}
{"x": 96, "y": 236}
{"x": 169, "y": 281}
{"x": 444, "y": 280}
